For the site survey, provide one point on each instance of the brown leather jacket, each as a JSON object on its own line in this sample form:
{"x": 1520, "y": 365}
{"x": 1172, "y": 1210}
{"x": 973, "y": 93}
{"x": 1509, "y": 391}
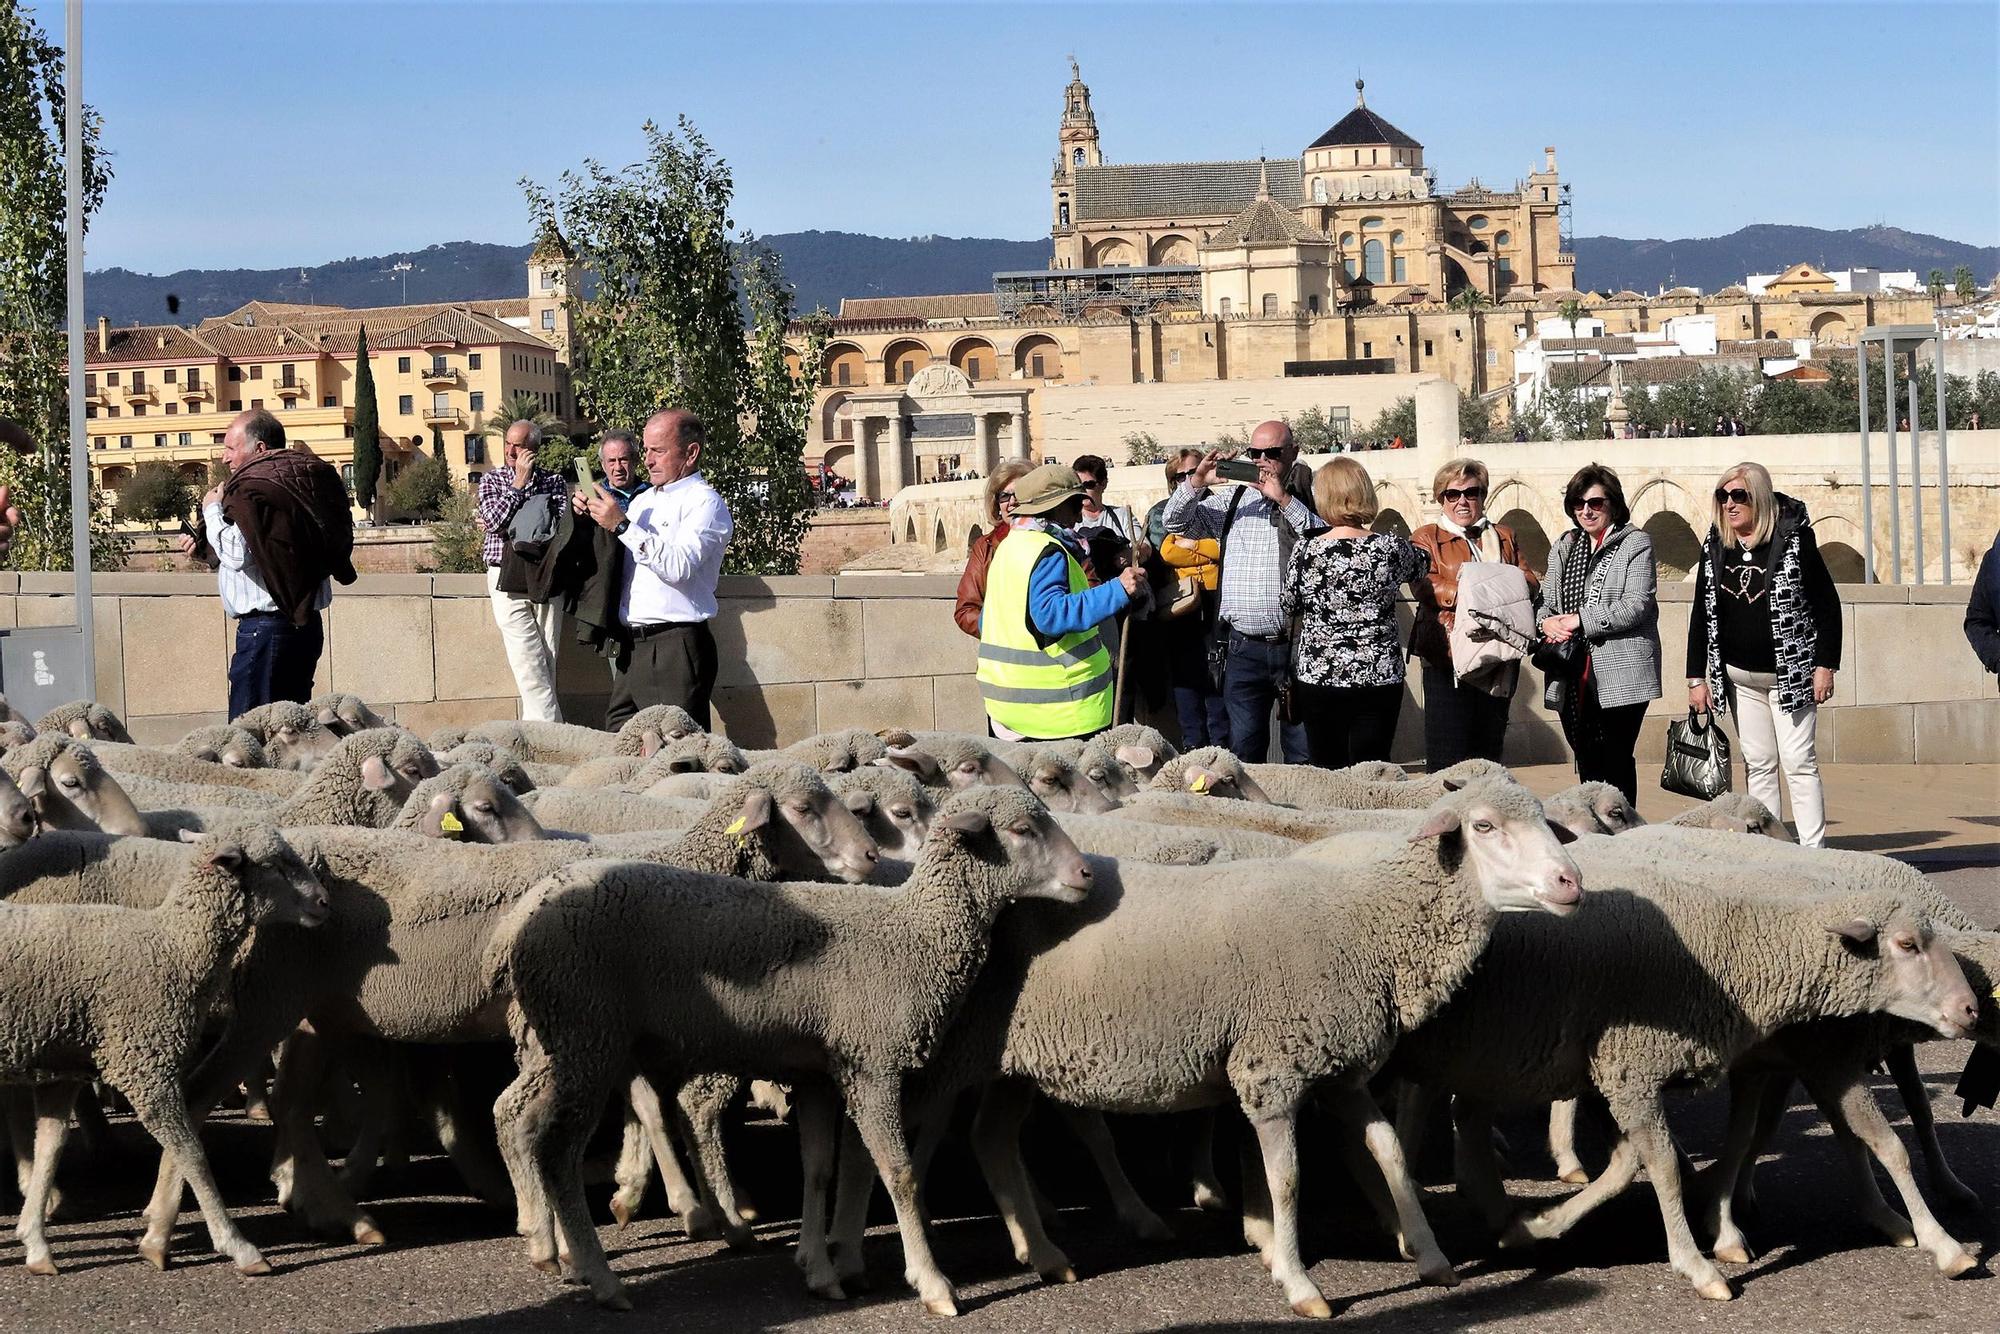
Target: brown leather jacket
{"x": 1437, "y": 592}
{"x": 972, "y": 583}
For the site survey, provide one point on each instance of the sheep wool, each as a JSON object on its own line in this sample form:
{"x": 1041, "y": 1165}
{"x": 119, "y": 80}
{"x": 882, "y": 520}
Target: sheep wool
{"x": 86, "y": 720}
{"x": 224, "y": 744}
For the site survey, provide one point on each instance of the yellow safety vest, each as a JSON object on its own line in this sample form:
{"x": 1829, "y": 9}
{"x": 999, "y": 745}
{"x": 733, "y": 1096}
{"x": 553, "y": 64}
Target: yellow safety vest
{"x": 1061, "y": 689}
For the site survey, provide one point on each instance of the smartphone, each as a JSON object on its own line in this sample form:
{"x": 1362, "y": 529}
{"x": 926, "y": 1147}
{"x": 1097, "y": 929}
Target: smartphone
{"x": 584, "y": 481}
{"x": 1237, "y": 470}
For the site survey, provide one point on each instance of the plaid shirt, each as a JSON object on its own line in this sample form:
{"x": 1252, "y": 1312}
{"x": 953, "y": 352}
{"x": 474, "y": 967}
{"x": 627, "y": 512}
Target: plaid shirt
{"x": 498, "y": 500}
{"x": 1252, "y": 574}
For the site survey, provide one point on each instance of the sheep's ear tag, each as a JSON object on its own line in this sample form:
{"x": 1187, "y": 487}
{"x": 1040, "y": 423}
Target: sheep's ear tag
{"x": 735, "y": 829}
{"x": 451, "y": 824}
{"x": 1198, "y": 780}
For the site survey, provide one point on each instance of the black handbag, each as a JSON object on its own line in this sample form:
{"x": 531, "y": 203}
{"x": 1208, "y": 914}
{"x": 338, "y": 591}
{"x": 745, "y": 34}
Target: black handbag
{"x": 1697, "y": 758}
{"x": 1562, "y": 661}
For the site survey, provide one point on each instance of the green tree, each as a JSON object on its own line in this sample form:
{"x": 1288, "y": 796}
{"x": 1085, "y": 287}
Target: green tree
{"x": 155, "y": 493}
{"x": 521, "y": 406}
{"x": 34, "y": 252}
{"x": 456, "y": 541}
{"x": 367, "y": 427}
{"x": 1392, "y": 422}
{"x": 421, "y": 489}
{"x": 1963, "y": 283}
{"x": 1475, "y": 419}
{"x": 665, "y": 325}
{"x": 1314, "y": 431}
{"x": 1143, "y": 447}
{"x": 1935, "y": 284}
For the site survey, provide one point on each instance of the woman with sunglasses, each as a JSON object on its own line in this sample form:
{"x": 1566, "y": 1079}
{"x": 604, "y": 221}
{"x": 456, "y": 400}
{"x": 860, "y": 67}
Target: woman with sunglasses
{"x": 979, "y": 556}
{"x": 1461, "y": 722}
{"x": 1602, "y": 592}
{"x": 1764, "y": 639}
{"x": 1198, "y": 701}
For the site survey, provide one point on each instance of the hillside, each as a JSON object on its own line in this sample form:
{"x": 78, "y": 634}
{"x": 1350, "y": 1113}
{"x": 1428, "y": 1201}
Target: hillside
{"x": 826, "y": 266}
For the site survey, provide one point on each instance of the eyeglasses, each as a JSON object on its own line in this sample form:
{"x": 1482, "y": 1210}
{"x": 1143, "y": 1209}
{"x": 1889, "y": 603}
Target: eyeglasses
{"x": 1007, "y": 497}
{"x": 1463, "y": 493}
{"x": 1593, "y": 504}
{"x": 1735, "y": 495}
{"x": 1274, "y": 453}
{"x": 1179, "y": 477}
{"x": 1091, "y": 483}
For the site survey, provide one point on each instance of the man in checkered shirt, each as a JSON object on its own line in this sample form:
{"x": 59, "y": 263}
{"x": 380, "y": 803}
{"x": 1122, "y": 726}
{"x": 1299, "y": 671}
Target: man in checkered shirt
{"x": 528, "y": 629}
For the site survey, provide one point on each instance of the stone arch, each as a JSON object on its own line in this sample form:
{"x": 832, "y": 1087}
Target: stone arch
{"x": 976, "y": 358}
{"x": 834, "y": 425}
{"x": 1112, "y": 252}
{"x": 839, "y": 461}
{"x": 1839, "y": 539}
{"x": 1676, "y": 549}
{"x": 937, "y": 536}
{"x": 1455, "y": 280}
{"x": 973, "y": 534}
{"x": 1031, "y": 346}
{"x": 910, "y": 352}
{"x": 1530, "y": 538}
{"x": 843, "y": 360}
{"x": 1173, "y": 248}
{"x": 910, "y": 531}
{"x": 1830, "y": 326}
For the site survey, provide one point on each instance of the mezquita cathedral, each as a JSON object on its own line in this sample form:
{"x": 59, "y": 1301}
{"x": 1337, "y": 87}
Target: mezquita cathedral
{"x": 1185, "y": 299}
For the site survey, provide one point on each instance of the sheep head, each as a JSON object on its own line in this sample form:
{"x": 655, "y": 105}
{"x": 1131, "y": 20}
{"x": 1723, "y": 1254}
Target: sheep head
{"x": 1061, "y": 784}
{"x": 949, "y": 762}
{"x": 1592, "y": 808}
{"x": 653, "y": 727}
{"x": 236, "y": 747}
{"x": 1020, "y": 852}
{"x": 17, "y": 814}
{"x": 1909, "y": 968}
{"x": 1210, "y": 771}
{"x": 796, "y": 822}
{"x": 470, "y": 803}
{"x": 344, "y": 714}
{"x": 277, "y": 883}
{"x": 892, "y": 806}
{"x": 293, "y": 735}
{"x": 1515, "y": 855}
{"x": 1737, "y": 813}
{"x": 69, "y": 789}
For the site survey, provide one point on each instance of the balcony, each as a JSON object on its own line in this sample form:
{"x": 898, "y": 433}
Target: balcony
{"x": 291, "y": 389}
{"x": 440, "y": 377}
{"x": 194, "y": 393}
{"x": 439, "y": 418}
{"x": 140, "y": 393}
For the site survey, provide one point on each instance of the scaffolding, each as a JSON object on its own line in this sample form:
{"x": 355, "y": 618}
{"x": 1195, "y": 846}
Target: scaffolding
{"x": 1070, "y": 294}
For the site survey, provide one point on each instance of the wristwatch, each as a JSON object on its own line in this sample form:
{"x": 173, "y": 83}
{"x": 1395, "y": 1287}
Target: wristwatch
{"x": 619, "y": 531}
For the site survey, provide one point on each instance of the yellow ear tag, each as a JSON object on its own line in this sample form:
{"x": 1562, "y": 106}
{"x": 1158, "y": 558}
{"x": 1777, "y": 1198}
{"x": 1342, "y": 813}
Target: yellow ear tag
{"x": 735, "y": 831}
{"x": 1198, "y": 783}
{"x": 450, "y": 823}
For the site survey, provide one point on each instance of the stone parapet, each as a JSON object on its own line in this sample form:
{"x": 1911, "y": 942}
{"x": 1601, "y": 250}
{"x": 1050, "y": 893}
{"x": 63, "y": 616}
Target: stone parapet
{"x": 806, "y": 654}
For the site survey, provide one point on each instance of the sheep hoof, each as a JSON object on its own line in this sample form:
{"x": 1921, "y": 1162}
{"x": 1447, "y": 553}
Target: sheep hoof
{"x": 1312, "y": 1308}
{"x": 829, "y": 1289}
{"x": 1951, "y": 1268}
{"x": 617, "y": 1301}
{"x": 546, "y": 1265}
{"x": 1733, "y": 1254}
{"x": 746, "y": 1211}
{"x": 702, "y": 1224}
{"x": 1059, "y": 1274}
{"x": 154, "y": 1252}
{"x": 1210, "y": 1198}
{"x": 1517, "y": 1234}
{"x": 742, "y": 1239}
{"x": 1439, "y": 1275}
{"x": 1576, "y": 1176}
{"x": 1716, "y": 1290}
{"x": 42, "y": 1265}
{"x": 256, "y": 1268}
{"x": 941, "y": 1306}
{"x": 622, "y": 1210}
{"x": 367, "y": 1234}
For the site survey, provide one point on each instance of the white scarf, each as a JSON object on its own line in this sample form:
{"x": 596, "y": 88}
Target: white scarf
{"x": 1485, "y": 546}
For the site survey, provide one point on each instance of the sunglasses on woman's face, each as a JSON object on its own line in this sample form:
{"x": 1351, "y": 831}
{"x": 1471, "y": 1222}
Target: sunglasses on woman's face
{"x": 1595, "y": 504}
{"x": 1008, "y": 497}
{"x": 1091, "y": 483}
{"x": 1452, "y": 493}
{"x": 1735, "y": 495}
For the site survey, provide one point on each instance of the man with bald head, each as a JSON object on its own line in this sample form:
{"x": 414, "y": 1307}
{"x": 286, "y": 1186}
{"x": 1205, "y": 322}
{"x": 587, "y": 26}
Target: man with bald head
{"x": 675, "y": 534}
{"x": 528, "y": 629}
{"x": 1257, "y": 527}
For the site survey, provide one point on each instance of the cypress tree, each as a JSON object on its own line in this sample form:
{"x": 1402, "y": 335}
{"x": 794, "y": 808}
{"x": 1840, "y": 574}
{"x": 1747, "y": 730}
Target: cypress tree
{"x": 367, "y": 427}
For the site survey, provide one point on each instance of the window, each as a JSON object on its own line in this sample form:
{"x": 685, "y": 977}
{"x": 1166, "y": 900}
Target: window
{"x": 1035, "y": 362}
{"x": 840, "y": 373}
{"x": 159, "y": 442}
{"x": 172, "y": 408}
{"x": 194, "y": 377}
{"x": 138, "y": 381}
{"x": 111, "y": 411}
{"x": 138, "y": 409}
{"x": 405, "y": 404}
{"x": 184, "y": 438}
{"x": 478, "y": 402}
{"x": 437, "y": 364}
{"x": 347, "y": 477}
{"x": 90, "y": 382}
{"x": 972, "y": 368}
{"x": 907, "y": 369}
{"x": 1368, "y": 349}
{"x": 472, "y": 361}
{"x": 235, "y": 374}
{"x": 124, "y": 442}
{"x": 440, "y": 403}
{"x": 112, "y": 379}
{"x": 347, "y": 430}
{"x": 256, "y": 372}
{"x": 90, "y": 410}
{"x": 548, "y": 319}
{"x": 1062, "y": 214}
{"x": 1477, "y": 222}
{"x": 288, "y": 373}
{"x": 1399, "y": 270}
{"x": 548, "y": 280}
{"x": 1503, "y": 238}
{"x": 1506, "y": 267}
{"x": 1373, "y": 267}
{"x": 402, "y": 365}
{"x": 171, "y": 375}
{"x": 1427, "y": 347}
{"x": 1076, "y": 157}
{"x": 1396, "y": 240}
{"x": 1347, "y": 240}
{"x": 475, "y": 449}
{"x": 1222, "y": 307}
{"x": 1319, "y": 189}
{"x": 215, "y": 439}
{"x": 330, "y": 401}
{"x": 1371, "y": 224}
{"x": 256, "y": 403}
{"x": 1270, "y": 303}
{"x": 1312, "y": 304}
{"x": 236, "y": 405}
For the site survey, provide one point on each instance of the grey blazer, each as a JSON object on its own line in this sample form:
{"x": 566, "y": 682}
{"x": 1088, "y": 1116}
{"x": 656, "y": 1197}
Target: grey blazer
{"x": 1620, "y": 612}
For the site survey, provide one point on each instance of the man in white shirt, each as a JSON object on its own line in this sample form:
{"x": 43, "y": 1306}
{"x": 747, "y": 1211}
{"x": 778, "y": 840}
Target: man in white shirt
{"x": 674, "y": 536}
{"x": 275, "y": 658}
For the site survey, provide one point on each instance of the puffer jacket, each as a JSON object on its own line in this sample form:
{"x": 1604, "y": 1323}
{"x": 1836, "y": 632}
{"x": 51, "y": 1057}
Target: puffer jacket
{"x": 1437, "y": 592}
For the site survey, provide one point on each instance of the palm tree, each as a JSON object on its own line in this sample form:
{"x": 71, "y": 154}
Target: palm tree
{"x": 1572, "y": 312}
{"x": 1935, "y": 282}
{"x": 518, "y": 407}
{"x": 1963, "y": 282}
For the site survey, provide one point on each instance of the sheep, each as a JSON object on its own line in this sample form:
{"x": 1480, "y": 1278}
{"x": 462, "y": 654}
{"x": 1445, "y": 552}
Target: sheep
{"x": 122, "y": 994}
{"x": 159, "y": 794}
{"x": 86, "y": 720}
{"x": 1179, "y": 988}
{"x": 16, "y": 732}
{"x": 830, "y": 752}
{"x": 592, "y": 811}
{"x": 1058, "y": 780}
{"x": 1162, "y": 845}
{"x": 1204, "y": 814}
{"x": 1736, "y": 813}
{"x": 69, "y": 788}
{"x": 1661, "y": 980}
{"x": 891, "y": 804}
{"x": 470, "y": 803}
{"x": 567, "y": 743}
{"x": 1592, "y": 808}
{"x": 702, "y": 753}
{"x": 17, "y": 813}
{"x": 293, "y": 735}
{"x": 949, "y": 760}
{"x": 124, "y": 761}
{"x": 1210, "y": 771}
{"x": 224, "y": 744}
{"x": 1306, "y": 787}
{"x": 1123, "y": 759}
{"x": 614, "y": 963}
{"x": 512, "y": 772}
{"x": 345, "y": 714}
{"x": 364, "y": 781}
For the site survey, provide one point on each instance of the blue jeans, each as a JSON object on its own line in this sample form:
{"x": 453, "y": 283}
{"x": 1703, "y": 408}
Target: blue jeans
{"x": 274, "y": 660}
{"x": 1203, "y": 714}
{"x": 1253, "y": 672}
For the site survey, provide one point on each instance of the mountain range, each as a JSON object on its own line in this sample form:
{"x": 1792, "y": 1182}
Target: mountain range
{"x": 826, "y": 266}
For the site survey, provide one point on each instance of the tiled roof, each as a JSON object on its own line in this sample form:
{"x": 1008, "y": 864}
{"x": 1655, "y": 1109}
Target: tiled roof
{"x": 148, "y": 342}
{"x": 1179, "y": 189}
{"x": 1612, "y": 346}
{"x": 959, "y": 305}
{"x": 305, "y": 331}
{"x": 1362, "y": 126}
{"x": 1647, "y": 371}
{"x": 1265, "y": 223}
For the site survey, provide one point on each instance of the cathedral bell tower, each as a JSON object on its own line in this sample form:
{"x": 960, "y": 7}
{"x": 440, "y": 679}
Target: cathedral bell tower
{"x": 1076, "y": 146}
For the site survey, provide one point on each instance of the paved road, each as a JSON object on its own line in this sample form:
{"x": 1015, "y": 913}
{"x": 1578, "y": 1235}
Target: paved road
{"x": 452, "y": 1265}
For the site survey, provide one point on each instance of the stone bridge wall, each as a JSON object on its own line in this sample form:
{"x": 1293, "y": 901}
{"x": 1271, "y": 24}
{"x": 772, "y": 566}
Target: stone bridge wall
{"x": 801, "y": 655}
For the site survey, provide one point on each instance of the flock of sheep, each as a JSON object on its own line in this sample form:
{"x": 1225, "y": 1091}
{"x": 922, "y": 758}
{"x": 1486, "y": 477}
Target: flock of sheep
{"x": 860, "y": 928}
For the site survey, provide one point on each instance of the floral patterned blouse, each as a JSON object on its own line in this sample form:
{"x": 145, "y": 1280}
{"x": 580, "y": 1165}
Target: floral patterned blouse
{"x": 1343, "y": 592}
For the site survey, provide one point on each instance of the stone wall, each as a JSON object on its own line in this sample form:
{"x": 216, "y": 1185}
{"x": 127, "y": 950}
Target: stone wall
{"x": 805, "y": 654}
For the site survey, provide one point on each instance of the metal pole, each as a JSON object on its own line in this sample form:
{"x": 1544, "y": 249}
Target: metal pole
{"x": 1944, "y": 465}
{"x": 1895, "y": 489}
{"x": 1916, "y": 466}
{"x": 1867, "y": 480}
{"x": 79, "y": 443}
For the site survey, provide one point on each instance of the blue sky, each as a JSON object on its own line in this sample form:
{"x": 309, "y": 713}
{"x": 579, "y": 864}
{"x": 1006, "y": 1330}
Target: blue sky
{"x": 258, "y": 135}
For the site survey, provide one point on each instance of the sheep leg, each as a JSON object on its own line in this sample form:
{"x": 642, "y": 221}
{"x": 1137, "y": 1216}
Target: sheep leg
{"x": 51, "y": 1104}
{"x": 575, "y": 1101}
{"x": 518, "y": 1114}
{"x": 1357, "y": 1108}
{"x": 1644, "y": 1122}
{"x": 1747, "y": 1092}
{"x": 996, "y": 1141}
{"x": 698, "y": 1109}
{"x": 819, "y": 1119}
{"x": 1133, "y": 1212}
{"x": 161, "y": 1107}
{"x": 19, "y": 1106}
{"x": 854, "y": 1189}
{"x": 1256, "y": 1202}
{"x": 646, "y": 1143}
{"x": 461, "y": 1137}
{"x": 308, "y": 1185}
{"x": 1770, "y": 1111}
{"x": 1277, "y": 1138}
{"x": 1562, "y": 1142}
{"x": 1857, "y": 1118}
{"x": 876, "y": 1106}
{"x": 1208, "y": 1192}
{"x": 1902, "y": 1063}
{"x": 632, "y": 1171}
{"x": 1474, "y": 1165}
{"x": 1618, "y": 1173}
